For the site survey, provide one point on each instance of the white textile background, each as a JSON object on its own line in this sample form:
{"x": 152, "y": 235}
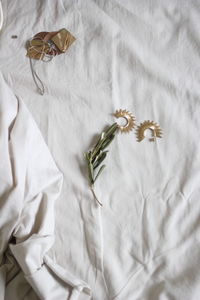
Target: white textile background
{"x": 143, "y": 56}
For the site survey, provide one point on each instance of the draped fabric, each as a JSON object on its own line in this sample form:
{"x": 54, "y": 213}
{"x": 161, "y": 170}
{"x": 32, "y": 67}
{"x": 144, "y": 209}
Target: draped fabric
{"x": 30, "y": 184}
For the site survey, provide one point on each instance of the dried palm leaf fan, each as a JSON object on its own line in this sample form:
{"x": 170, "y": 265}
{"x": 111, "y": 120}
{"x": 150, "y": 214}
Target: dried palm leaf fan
{"x": 44, "y": 46}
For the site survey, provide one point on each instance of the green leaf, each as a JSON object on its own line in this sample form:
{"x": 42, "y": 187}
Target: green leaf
{"x": 111, "y": 129}
{"x": 97, "y": 149}
{"x": 102, "y": 135}
{"x": 107, "y": 142}
{"x": 96, "y": 157}
{"x": 102, "y": 139}
{"x": 99, "y": 172}
{"x": 99, "y": 159}
{"x": 87, "y": 156}
{"x": 91, "y": 173}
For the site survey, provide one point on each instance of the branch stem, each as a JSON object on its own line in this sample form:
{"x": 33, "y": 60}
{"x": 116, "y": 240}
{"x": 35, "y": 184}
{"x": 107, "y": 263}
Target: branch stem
{"x": 95, "y": 197}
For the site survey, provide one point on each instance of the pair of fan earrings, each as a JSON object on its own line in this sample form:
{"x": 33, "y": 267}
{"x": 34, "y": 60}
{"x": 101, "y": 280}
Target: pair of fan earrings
{"x": 141, "y": 130}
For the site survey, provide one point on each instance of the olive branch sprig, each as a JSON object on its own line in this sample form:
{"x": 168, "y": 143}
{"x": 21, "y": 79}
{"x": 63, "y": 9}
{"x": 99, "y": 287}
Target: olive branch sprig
{"x": 96, "y": 156}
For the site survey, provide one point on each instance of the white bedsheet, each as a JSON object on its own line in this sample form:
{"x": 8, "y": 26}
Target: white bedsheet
{"x": 143, "y": 56}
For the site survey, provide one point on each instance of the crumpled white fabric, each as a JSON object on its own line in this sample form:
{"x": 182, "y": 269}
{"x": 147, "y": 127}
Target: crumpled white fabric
{"x": 138, "y": 55}
{"x": 30, "y": 184}
{"x": 1, "y": 16}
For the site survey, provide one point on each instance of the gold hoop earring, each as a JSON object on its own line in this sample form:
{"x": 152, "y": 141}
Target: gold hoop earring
{"x": 148, "y": 125}
{"x": 130, "y": 120}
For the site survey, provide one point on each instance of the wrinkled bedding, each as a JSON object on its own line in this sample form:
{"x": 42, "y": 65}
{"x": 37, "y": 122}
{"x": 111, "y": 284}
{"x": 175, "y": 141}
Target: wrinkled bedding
{"x": 144, "y": 243}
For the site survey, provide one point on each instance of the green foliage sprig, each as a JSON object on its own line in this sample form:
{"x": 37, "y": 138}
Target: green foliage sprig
{"x": 96, "y": 156}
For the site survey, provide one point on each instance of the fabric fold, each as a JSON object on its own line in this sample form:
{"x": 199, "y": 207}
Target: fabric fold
{"x": 57, "y": 283}
{"x": 30, "y": 184}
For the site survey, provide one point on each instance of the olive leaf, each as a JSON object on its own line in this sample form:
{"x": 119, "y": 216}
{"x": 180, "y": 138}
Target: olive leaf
{"x": 99, "y": 172}
{"x": 100, "y": 158}
{"x": 107, "y": 142}
{"x": 96, "y": 156}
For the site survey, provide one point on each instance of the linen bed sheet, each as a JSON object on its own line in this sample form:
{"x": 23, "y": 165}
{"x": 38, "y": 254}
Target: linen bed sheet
{"x": 143, "y": 56}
